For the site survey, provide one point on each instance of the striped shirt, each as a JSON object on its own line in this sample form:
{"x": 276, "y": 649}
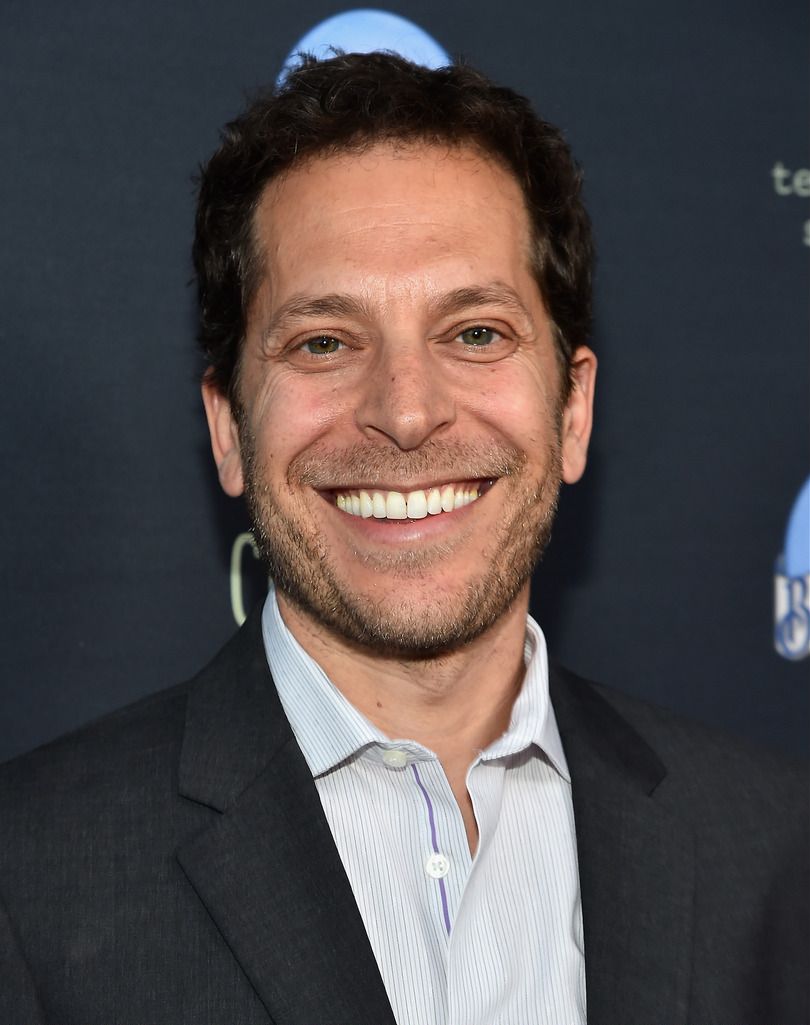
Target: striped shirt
{"x": 494, "y": 939}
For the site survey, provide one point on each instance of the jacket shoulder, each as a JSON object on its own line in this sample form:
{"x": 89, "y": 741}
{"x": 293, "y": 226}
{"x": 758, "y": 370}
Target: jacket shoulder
{"x": 706, "y": 770}
{"x": 117, "y": 749}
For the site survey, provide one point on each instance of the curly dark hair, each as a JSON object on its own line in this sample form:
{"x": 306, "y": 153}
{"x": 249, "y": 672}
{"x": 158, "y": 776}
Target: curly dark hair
{"x": 352, "y": 101}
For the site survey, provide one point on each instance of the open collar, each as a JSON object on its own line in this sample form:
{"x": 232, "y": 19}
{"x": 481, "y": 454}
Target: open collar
{"x": 330, "y": 730}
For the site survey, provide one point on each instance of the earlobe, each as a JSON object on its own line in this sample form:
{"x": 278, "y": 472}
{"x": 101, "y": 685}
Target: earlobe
{"x": 224, "y": 433}
{"x": 578, "y": 415}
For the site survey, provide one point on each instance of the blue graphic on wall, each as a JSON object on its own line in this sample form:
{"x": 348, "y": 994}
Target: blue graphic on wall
{"x": 792, "y": 583}
{"x": 364, "y": 31}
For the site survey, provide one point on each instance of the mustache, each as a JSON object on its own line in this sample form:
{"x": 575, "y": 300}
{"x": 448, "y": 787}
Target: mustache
{"x": 372, "y": 464}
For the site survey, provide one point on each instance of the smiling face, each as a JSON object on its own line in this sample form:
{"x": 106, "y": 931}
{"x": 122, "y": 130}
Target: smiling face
{"x": 401, "y": 436}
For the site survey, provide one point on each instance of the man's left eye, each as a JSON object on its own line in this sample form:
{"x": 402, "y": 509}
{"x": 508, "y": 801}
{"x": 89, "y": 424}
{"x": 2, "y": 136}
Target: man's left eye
{"x": 322, "y": 345}
{"x": 478, "y": 336}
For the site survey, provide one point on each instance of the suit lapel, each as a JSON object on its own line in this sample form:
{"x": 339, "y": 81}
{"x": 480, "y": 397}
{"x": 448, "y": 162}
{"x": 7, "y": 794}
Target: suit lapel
{"x": 267, "y": 870}
{"x": 269, "y": 874}
{"x": 636, "y": 866}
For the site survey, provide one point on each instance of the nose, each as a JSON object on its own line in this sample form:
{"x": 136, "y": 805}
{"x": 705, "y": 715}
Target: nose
{"x": 405, "y": 396}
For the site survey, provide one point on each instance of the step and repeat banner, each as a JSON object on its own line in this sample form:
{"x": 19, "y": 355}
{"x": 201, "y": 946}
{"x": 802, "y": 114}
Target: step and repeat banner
{"x": 679, "y": 569}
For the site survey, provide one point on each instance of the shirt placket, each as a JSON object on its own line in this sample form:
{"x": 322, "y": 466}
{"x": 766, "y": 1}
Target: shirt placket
{"x": 467, "y": 990}
{"x": 444, "y": 854}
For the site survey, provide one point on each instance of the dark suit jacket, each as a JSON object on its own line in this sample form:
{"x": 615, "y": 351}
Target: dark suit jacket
{"x": 171, "y": 865}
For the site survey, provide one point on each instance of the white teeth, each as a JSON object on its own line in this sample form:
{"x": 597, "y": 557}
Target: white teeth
{"x": 416, "y": 505}
{"x": 395, "y": 506}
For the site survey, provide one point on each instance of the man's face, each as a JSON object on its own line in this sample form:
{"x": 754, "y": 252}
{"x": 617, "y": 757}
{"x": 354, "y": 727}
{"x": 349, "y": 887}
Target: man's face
{"x": 401, "y": 436}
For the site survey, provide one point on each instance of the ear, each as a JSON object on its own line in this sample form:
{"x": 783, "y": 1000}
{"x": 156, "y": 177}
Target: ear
{"x": 224, "y": 438}
{"x": 578, "y": 414}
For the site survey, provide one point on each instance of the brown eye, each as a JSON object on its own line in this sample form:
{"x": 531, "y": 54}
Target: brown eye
{"x": 323, "y": 345}
{"x": 478, "y": 336}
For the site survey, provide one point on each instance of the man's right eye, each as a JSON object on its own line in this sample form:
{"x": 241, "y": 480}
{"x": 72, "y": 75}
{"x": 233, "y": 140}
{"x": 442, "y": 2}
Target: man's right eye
{"x": 323, "y": 345}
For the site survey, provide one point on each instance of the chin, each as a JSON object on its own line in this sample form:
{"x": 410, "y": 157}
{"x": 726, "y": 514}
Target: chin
{"x": 417, "y": 601}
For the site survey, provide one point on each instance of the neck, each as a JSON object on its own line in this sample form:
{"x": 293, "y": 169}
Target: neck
{"x": 455, "y": 704}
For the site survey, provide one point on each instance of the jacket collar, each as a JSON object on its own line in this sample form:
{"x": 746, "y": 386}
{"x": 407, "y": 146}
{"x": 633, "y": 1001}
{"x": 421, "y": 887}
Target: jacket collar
{"x": 636, "y": 864}
{"x": 267, "y": 869}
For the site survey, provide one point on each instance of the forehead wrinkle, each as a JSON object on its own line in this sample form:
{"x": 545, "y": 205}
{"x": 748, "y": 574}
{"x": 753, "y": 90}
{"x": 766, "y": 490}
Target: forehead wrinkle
{"x": 391, "y": 233}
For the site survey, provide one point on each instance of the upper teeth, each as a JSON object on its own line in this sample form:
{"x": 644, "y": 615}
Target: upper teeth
{"x": 413, "y": 505}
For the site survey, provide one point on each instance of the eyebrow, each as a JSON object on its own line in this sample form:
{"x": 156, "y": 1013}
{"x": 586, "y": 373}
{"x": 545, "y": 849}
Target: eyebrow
{"x": 495, "y": 294}
{"x": 301, "y": 307}
{"x": 339, "y": 304}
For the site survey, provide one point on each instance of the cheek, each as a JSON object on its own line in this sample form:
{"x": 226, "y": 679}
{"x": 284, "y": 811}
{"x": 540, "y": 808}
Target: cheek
{"x": 518, "y": 401}
{"x": 294, "y": 411}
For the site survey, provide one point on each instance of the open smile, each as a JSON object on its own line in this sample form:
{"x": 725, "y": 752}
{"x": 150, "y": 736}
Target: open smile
{"x": 383, "y": 504}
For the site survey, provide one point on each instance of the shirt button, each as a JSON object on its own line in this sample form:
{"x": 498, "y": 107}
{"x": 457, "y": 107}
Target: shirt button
{"x": 437, "y": 866}
{"x": 394, "y": 758}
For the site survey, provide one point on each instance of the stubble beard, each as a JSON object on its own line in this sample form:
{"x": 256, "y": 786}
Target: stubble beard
{"x": 298, "y": 559}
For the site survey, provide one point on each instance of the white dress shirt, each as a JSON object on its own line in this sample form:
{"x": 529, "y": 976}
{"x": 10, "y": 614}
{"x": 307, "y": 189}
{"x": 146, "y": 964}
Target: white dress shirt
{"x": 494, "y": 939}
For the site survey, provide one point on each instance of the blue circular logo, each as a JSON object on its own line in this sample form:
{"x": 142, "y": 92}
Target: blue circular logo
{"x": 797, "y": 536}
{"x": 364, "y": 31}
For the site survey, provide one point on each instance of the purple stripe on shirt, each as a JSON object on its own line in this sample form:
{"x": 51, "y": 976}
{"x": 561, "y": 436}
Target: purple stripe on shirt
{"x": 434, "y": 841}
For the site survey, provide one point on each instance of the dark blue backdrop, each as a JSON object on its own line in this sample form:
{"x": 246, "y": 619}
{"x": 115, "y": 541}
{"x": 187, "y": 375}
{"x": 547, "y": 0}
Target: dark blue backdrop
{"x": 116, "y": 544}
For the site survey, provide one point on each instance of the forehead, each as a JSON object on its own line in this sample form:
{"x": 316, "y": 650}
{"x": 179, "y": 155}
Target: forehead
{"x": 392, "y": 210}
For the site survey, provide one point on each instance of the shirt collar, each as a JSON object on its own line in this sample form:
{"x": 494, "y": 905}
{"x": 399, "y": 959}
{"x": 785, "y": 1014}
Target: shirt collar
{"x": 330, "y": 730}
{"x": 533, "y": 720}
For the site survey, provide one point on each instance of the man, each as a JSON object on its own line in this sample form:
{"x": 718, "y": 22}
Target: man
{"x": 379, "y": 804}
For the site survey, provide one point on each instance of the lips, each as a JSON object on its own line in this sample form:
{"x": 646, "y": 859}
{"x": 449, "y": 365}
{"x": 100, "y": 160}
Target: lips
{"x": 409, "y": 505}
